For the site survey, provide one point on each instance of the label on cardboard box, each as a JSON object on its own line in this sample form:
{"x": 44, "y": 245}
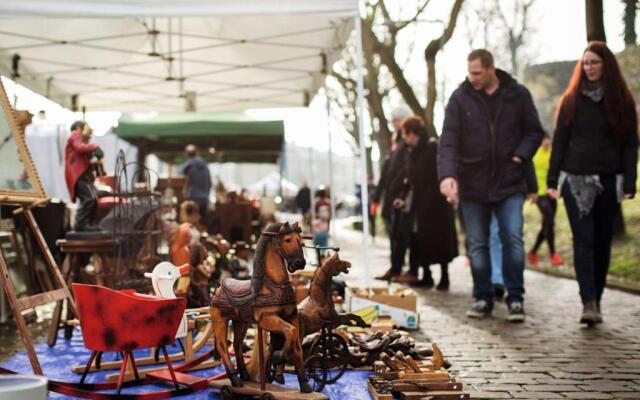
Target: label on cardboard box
{"x": 375, "y": 302}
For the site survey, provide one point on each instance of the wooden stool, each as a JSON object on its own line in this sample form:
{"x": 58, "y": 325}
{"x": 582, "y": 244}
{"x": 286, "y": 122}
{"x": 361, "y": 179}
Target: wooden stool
{"x": 101, "y": 250}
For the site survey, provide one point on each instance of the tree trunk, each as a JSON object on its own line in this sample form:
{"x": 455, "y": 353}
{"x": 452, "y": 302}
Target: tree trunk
{"x": 431, "y": 95}
{"x": 430, "y": 57}
{"x": 629, "y": 19}
{"x": 374, "y": 98}
{"x": 595, "y": 20}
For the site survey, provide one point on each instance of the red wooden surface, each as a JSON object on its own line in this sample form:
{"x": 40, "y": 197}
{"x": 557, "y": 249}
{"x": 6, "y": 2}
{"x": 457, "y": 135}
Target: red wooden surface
{"x": 123, "y": 321}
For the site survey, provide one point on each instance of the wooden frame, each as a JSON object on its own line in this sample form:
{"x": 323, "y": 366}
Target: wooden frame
{"x": 28, "y": 199}
{"x": 36, "y": 193}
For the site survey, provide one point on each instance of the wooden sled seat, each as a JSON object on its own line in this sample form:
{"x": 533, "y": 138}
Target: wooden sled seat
{"x": 123, "y": 321}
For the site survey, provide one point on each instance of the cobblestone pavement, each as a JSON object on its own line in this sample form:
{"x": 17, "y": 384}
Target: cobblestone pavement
{"x": 550, "y": 356}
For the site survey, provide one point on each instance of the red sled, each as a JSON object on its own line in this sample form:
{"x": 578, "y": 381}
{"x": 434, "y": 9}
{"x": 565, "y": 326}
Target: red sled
{"x": 124, "y": 321}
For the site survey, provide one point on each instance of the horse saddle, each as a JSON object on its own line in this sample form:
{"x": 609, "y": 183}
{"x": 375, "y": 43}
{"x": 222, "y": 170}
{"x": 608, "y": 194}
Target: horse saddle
{"x": 238, "y": 292}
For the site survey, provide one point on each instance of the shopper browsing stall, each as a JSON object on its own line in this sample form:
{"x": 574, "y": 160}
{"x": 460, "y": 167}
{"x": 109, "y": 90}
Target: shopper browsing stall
{"x": 78, "y": 173}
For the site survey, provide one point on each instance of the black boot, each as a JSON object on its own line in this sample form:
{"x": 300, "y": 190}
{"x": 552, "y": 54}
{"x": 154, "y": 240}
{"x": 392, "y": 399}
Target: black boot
{"x": 386, "y": 276}
{"x": 589, "y": 313}
{"x": 427, "y": 280}
{"x": 443, "y": 285}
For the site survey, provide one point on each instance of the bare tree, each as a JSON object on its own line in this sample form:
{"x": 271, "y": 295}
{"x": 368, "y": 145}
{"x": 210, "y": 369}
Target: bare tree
{"x": 479, "y": 16}
{"x": 629, "y": 20}
{"x": 595, "y": 20}
{"x": 386, "y": 50}
{"x": 517, "y": 29}
{"x": 384, "y": 72}
{"x": 430, "y": 53}
{"x": 502, "y": 26}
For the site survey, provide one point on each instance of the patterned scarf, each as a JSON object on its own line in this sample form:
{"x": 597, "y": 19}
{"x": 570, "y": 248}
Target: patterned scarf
{"x": 593, "y": 90}
{"x": 585, "y": 189}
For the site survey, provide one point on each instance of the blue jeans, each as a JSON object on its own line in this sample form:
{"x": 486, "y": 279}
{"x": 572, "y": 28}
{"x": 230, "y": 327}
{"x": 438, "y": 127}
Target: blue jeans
{"x": 477, "y": 220}
{"x": 495, "y": 250}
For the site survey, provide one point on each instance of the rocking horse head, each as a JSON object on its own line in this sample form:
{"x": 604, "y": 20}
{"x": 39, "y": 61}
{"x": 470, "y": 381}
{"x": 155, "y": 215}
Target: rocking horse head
{"x": 334, "y": 266}
{"x": 287, "y": 240}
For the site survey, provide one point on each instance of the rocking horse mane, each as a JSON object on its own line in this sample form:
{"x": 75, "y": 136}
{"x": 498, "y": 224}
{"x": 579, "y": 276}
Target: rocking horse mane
{"x": 260, "y": 260}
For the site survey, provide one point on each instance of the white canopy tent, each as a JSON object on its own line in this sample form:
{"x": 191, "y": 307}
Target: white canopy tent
{"x": 167, "y": 55}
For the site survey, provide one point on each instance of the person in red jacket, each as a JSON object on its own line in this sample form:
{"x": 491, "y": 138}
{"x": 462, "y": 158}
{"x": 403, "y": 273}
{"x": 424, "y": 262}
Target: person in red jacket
{"x": 78, "y": 173}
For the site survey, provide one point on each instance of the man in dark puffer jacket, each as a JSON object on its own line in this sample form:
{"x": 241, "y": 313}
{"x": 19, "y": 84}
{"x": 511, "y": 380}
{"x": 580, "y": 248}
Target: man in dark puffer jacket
{"x": 491, "y": 129}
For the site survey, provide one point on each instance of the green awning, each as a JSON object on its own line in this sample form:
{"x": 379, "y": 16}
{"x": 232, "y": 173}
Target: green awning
{"x": 236, "y": 137}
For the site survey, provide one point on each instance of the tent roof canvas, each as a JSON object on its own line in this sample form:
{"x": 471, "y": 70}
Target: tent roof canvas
{"x": 144, "y": 55}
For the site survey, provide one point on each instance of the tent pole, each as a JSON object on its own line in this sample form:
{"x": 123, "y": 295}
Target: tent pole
{"x": 332, "y": 198}
{"x": 364, "y": 196}
{"x": 312, "y": 188}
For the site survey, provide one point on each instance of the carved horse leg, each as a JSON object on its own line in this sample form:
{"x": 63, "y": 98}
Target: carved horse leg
{"x": 220, "y": 333}
{"x": 273, "y": 323}
{"x": 239, "y": 332}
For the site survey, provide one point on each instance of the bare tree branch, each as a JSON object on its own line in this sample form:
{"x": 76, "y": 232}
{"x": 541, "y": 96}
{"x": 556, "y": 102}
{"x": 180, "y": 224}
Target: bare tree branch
{"x": 430, "y": 56}
{"x": 421, "y": 8}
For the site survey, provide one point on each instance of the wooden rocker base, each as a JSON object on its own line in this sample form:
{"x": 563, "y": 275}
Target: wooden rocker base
{"x": 271, "y": 391}
{"x": 151, "y": 371}
{"x": 192, "y": 381}
{"x": 192, "y": 346}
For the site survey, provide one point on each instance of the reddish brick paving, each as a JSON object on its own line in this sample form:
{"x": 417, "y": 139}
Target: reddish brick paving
{"x": 550, "y": 356}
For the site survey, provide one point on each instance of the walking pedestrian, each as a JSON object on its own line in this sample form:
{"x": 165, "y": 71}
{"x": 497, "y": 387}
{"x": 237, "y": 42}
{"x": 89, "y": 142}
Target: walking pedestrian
{"x": 593, "y": 165}
{"x": 391, "y": 180}
{"x": 546, "y": 205}
{"x": 491, "y": 129}
{"x": 431, "y": 220}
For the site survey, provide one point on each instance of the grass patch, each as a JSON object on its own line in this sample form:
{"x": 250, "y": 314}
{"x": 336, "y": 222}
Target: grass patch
{"x": 625, "y": 254}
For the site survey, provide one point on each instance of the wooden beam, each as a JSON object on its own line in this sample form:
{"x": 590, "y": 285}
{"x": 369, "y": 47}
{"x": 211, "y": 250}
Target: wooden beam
{"x": 40, "y": 299}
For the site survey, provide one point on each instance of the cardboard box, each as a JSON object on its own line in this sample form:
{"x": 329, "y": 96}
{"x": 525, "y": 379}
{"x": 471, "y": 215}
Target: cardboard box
{"x": 369, "y": 303}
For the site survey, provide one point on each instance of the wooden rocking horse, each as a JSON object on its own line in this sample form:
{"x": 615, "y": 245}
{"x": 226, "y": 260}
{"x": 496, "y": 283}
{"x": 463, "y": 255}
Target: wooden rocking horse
{"x": 267, "y": 299}
{"x": 317, "y": 310}
{"x": 318, "y": 313}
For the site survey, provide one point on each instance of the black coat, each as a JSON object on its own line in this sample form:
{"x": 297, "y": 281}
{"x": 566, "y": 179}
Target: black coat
{"x": 587, "y": 146}
{"x": 478, "y": 151}
{"x": 391, "y": 180}
{"x": 437, "y": 239}
{"x": 303, "y": 199}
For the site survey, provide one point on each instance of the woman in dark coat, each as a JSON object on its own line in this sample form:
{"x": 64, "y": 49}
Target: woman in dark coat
{"x": 433, "y": 217}
{"x": 593, "y": 165}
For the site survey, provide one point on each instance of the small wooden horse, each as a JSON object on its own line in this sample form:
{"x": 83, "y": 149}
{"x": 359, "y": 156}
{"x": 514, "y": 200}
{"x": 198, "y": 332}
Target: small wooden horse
{"x": 318, "y": 310}
{"x": 267, "y": 299}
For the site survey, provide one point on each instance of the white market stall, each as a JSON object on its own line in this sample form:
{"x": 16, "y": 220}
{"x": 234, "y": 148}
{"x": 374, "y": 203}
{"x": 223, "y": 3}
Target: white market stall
{"x": 163, "y": 55}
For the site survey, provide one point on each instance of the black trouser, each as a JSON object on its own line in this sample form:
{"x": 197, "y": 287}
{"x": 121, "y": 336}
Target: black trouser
{"x": 592, "y": 235}
{"x": 203, "y": 206}
{"x": 372, "y": 225}
{"x": 88, "y": 196}
{"x": 547, "y": 207}
{"x": 401, "y": 239}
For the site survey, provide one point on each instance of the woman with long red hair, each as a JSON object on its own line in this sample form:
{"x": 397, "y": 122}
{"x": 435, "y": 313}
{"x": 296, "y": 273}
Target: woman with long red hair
{"x": 594, "y": 165}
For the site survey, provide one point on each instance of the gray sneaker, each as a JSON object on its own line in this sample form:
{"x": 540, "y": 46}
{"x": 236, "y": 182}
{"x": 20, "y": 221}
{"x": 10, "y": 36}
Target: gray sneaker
{"x": 516, "y": 312}
{"x": 480, "y": 309}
